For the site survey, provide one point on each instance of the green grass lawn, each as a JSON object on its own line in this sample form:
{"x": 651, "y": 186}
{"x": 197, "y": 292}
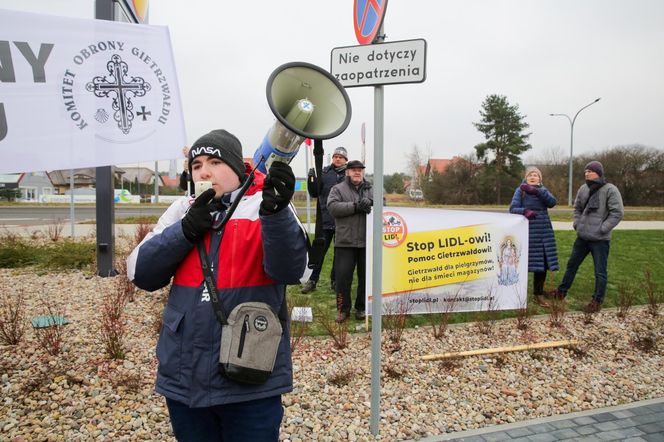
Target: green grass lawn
{"x": 632, "y": 253}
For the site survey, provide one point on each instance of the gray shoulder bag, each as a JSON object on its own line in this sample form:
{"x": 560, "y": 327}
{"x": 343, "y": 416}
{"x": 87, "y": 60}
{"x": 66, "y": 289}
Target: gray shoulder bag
{"x": 250, "y": 335}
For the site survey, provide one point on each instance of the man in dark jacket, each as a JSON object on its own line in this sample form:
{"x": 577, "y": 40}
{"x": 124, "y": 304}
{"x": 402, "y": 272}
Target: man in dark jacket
{"x": 258, "y": 251}
{"x": 598, "y": 208}
{"x": 320, "y": 188}
{"x": 349, "y": 202}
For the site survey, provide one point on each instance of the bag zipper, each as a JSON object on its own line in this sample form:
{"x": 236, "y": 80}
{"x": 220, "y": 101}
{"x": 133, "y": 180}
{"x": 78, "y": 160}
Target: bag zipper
{"x": 243, "y": 335}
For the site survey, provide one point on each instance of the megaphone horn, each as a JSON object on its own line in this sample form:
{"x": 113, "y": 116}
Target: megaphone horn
{"x": 308, "y": 102}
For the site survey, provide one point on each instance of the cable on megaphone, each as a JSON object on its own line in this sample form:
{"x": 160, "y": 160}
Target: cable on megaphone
{"x": 308, "y": 102}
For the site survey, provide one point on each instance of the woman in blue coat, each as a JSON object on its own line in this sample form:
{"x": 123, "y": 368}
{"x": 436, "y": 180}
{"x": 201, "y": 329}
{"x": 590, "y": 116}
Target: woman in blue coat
{"x": 531, "y": 199}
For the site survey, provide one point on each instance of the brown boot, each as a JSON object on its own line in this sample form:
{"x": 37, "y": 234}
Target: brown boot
{"x": 542, "y": 301}
{"x": 593, "y": 307}
{"x": 555, "y": 294}
{"x": 341, "y": 317}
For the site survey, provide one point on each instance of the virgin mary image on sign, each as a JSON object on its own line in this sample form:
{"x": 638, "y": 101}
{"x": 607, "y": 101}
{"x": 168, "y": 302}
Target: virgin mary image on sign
{"x": 508, "y": 261}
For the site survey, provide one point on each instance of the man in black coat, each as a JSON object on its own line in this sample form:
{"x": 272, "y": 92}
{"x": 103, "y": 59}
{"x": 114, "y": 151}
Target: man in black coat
{"x": 320, "y": 188}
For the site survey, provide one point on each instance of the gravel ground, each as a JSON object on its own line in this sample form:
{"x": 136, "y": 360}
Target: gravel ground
{"x": 82, "y": 395}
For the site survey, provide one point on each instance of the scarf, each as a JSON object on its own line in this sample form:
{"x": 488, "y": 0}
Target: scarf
{"x": 593, "y": 197}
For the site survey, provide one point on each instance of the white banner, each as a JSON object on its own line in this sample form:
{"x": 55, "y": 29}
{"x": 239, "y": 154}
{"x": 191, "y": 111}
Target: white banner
{"x": 437, "y": 261}
{"x": 81, "y": 93}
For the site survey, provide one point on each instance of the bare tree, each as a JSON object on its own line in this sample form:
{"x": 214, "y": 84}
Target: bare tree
{"x": 415, "y": 160}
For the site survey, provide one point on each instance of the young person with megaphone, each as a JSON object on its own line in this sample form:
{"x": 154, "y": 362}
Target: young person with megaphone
{"x": 235, "y": 245}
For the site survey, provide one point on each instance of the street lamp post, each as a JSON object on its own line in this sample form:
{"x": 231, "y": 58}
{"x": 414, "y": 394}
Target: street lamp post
{"x": 571, "y": 144}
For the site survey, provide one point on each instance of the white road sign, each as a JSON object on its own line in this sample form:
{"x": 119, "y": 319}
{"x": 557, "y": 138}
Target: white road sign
{"x": 377, "y": 64}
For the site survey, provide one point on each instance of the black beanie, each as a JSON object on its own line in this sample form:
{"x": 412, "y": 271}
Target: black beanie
{"x": 223, "y": 145}
{"x": 596, "y": 167}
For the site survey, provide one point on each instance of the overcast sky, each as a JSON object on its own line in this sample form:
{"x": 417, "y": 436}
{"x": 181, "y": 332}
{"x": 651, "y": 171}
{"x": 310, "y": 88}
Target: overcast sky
{"x": 546, "y": 56}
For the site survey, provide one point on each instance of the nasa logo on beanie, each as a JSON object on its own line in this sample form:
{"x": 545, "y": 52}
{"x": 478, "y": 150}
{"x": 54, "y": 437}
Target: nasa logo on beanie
{"x": 223, "y": 145}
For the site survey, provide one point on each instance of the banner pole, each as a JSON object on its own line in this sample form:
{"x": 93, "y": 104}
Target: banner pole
{"x": 71, "y": 201}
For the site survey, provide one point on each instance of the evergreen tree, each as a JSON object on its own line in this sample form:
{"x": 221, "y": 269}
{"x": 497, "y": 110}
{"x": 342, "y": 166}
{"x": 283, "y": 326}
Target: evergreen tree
{"x": 503, "y": 128}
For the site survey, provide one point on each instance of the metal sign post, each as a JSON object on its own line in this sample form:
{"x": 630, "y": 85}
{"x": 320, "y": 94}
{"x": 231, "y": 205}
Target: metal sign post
{"x": 105, "y": 204}
{"x": 105, "y": 197}
{"x": 375, "y": 63}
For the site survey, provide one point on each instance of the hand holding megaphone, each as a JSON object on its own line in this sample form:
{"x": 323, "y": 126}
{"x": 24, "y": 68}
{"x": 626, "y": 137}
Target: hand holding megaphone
{"x": 308, "y": 102}
{"x": 278, "y": 188}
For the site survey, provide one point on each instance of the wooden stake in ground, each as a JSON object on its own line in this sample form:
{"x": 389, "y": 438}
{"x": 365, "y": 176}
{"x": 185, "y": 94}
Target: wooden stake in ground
{"x": 487, "y": 351}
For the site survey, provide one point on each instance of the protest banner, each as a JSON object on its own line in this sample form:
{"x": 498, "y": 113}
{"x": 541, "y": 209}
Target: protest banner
{"x": 82, "y": 92}
{"x": 437, "y": 260}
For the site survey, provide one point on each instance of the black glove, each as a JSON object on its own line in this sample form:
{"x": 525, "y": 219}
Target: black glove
{"x": 364, "y": 205}
{"x": 312, "y": 183}
{"x": 278, "y": 188}
{"x": 198, "y": 220}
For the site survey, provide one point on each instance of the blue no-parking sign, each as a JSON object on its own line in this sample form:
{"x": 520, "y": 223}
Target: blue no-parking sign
{"x": 367, "y": 18}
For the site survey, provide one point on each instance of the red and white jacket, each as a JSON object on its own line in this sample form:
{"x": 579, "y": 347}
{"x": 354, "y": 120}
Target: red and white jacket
{"x": 253, "y": 259}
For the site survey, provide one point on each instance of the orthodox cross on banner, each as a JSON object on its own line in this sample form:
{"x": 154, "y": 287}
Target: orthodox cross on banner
{"x": 122, "y": 88}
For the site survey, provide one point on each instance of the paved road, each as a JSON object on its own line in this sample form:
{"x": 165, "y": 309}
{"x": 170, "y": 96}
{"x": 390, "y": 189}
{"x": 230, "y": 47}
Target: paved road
{"x": 636, "y": 422}
{"x": 36, "y": 215}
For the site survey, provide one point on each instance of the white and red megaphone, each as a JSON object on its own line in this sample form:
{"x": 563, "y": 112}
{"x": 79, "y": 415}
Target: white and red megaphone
{"x": 308, "y": 103}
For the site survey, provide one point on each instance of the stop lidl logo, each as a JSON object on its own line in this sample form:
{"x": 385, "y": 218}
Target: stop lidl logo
{"x": 394, "y": 229}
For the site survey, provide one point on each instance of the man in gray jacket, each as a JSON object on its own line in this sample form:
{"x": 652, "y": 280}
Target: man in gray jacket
{"x": 349, "y": 203}
{"x": 598, "y": 208}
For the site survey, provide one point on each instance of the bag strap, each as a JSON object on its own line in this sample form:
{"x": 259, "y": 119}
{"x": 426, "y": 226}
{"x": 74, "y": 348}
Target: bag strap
{"x": 209, "y": 283}
{"x": 206, "y": 267}
{"x": 205, "y": 261}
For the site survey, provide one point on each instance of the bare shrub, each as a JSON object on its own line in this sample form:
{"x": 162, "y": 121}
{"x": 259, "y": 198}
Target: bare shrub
{"x": 550, "y": 282}
{"x": 9, "y": 237}
{"x": 449, "y": 365}
{"x": 524, "y": 314}
{"x": 125, "y": 285}
{"x": 440, "y": 320}
{"x": 51, "y": 337}
{"x": 298, "y": 331}
{"x": 130, "y": 381}
{"x": 557, "y": 310}
{"x": 577, "y": 352}
{"x": 142, "y": 229}
{"x": 12, "y": 318}
{"x": 33, "y": 381}
{"x": 298, "y": 328}
{"x": 394, "y": 372}
{"x": 645, "y": 343}
{"x": 625, "y": 299}
{"x": 644, "y": 337}
{"x": 341, "y": 377}
{"x": 588, "y": 317}
{"x": 652, "y": 293}
{"x": 337, "y": 331}
{"x": 487, "y": 316}
{"x": 55, "y": 229}
{"x": 500, "y": 361}
{"x": 538, "y": 355}
{"x": 113, "y": 322}
{"x": 395, "y": 315}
